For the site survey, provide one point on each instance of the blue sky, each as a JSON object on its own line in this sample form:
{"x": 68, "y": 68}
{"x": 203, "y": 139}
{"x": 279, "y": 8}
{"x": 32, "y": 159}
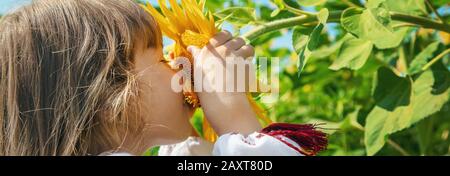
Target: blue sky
{"x": 7, "y": 5}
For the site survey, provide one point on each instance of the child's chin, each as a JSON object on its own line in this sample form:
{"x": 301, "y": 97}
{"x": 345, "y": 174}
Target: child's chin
{"x": 176, "y": 140}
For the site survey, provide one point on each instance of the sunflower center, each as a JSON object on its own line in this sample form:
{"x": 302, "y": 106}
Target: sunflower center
{"x": 190, "y": 38}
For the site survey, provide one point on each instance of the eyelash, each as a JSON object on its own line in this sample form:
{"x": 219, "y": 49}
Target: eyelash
{"x": 164, "y": 61}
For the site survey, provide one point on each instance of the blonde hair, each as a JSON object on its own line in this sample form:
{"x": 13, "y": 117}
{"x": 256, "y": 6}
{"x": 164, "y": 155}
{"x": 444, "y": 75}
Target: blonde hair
{"x": 66, "y": 85}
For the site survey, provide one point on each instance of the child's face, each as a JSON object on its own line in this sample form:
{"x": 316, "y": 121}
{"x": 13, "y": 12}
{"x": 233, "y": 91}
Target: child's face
{"x": 165, "y": 114}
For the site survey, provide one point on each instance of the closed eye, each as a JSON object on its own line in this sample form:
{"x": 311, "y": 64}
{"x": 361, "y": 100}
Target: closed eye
{"x": 164, "y": 60}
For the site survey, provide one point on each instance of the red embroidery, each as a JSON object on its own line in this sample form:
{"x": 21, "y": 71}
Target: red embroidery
{"x": 310, "y": 140}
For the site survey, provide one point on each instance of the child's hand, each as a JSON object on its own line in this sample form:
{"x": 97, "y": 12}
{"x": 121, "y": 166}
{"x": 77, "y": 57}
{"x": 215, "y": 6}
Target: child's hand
{"x": 226, "y": 111}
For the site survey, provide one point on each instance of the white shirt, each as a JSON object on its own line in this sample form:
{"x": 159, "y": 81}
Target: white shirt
{"x": 256, "y": 144}
{"x": 278, "y": 139}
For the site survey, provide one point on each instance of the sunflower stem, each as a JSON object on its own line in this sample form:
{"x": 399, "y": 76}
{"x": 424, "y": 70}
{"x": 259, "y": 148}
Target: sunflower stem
{"x": 421, "y": 21}
{"x": 350, "y": 4}
{"x": 297, "y": 11}
{"x": 285, "y": 23}
{"x": 335, "y": 17}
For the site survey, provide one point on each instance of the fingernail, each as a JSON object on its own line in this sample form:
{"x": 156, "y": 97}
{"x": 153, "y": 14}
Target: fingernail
{"x": 189, "y": 48}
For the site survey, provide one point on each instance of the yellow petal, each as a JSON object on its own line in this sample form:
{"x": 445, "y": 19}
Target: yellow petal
{"x": 202, "y": 4}
{"x": 180, "y": 14}
{"x": 208, "y": 132}
{"x": 196, "y": 16}
{"x": 258, "y": 110}
{"x": 212, "y": 27}
{"x": 172, "y": 17}
{"x": 164, "y": 25}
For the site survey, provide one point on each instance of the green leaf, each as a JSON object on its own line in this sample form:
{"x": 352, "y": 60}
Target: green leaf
{"x": 279, "y": 4}
{"x": 439, "y": 2}
{"x": 400, "y": 104}
{"x": 326, "y": 51}
{"x": 212, "y": 6}
{"x": 300, "y": 37}
{"x": 310, "y": 2}
{"x": 300, "y": 40}
{"x": 302, "y": 60}
{"x": 275, "y": 13}
{"x": 314, "y": 39}
{"x": 373, "y": 25}
{"x": 412, "y": 7}
{"x": 323, "y": 15}
{"x": 392, "y": 95}
{"x": 374, "y": 3}
{"x": 430, "y": 93}
{"x": 237, "y": 15}
{"x": 303, "y": 44}
{"x": 390, "y": 90}
{"x": 353, "y": 54}
{"x": 197, "y": 121}
{"x": 154, "y": 151}
{"x": 422, "y": 58}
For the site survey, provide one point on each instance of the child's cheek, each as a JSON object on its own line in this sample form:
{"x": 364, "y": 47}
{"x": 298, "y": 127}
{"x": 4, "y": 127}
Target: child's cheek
{"x": 172, "y": 101}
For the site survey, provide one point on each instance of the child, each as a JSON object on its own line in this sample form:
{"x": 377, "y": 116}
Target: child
{"x": 87, "y": 77}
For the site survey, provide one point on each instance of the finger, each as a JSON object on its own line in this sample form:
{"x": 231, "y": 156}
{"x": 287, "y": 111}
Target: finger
{"x": 220, "y": 39}
{"x": 246, "y": 51}
{"x": 194, "y": 50}
{"x": 235, "y": 44}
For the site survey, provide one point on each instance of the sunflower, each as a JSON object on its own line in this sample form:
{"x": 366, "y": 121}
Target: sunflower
{"x": 188, "y": 25}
